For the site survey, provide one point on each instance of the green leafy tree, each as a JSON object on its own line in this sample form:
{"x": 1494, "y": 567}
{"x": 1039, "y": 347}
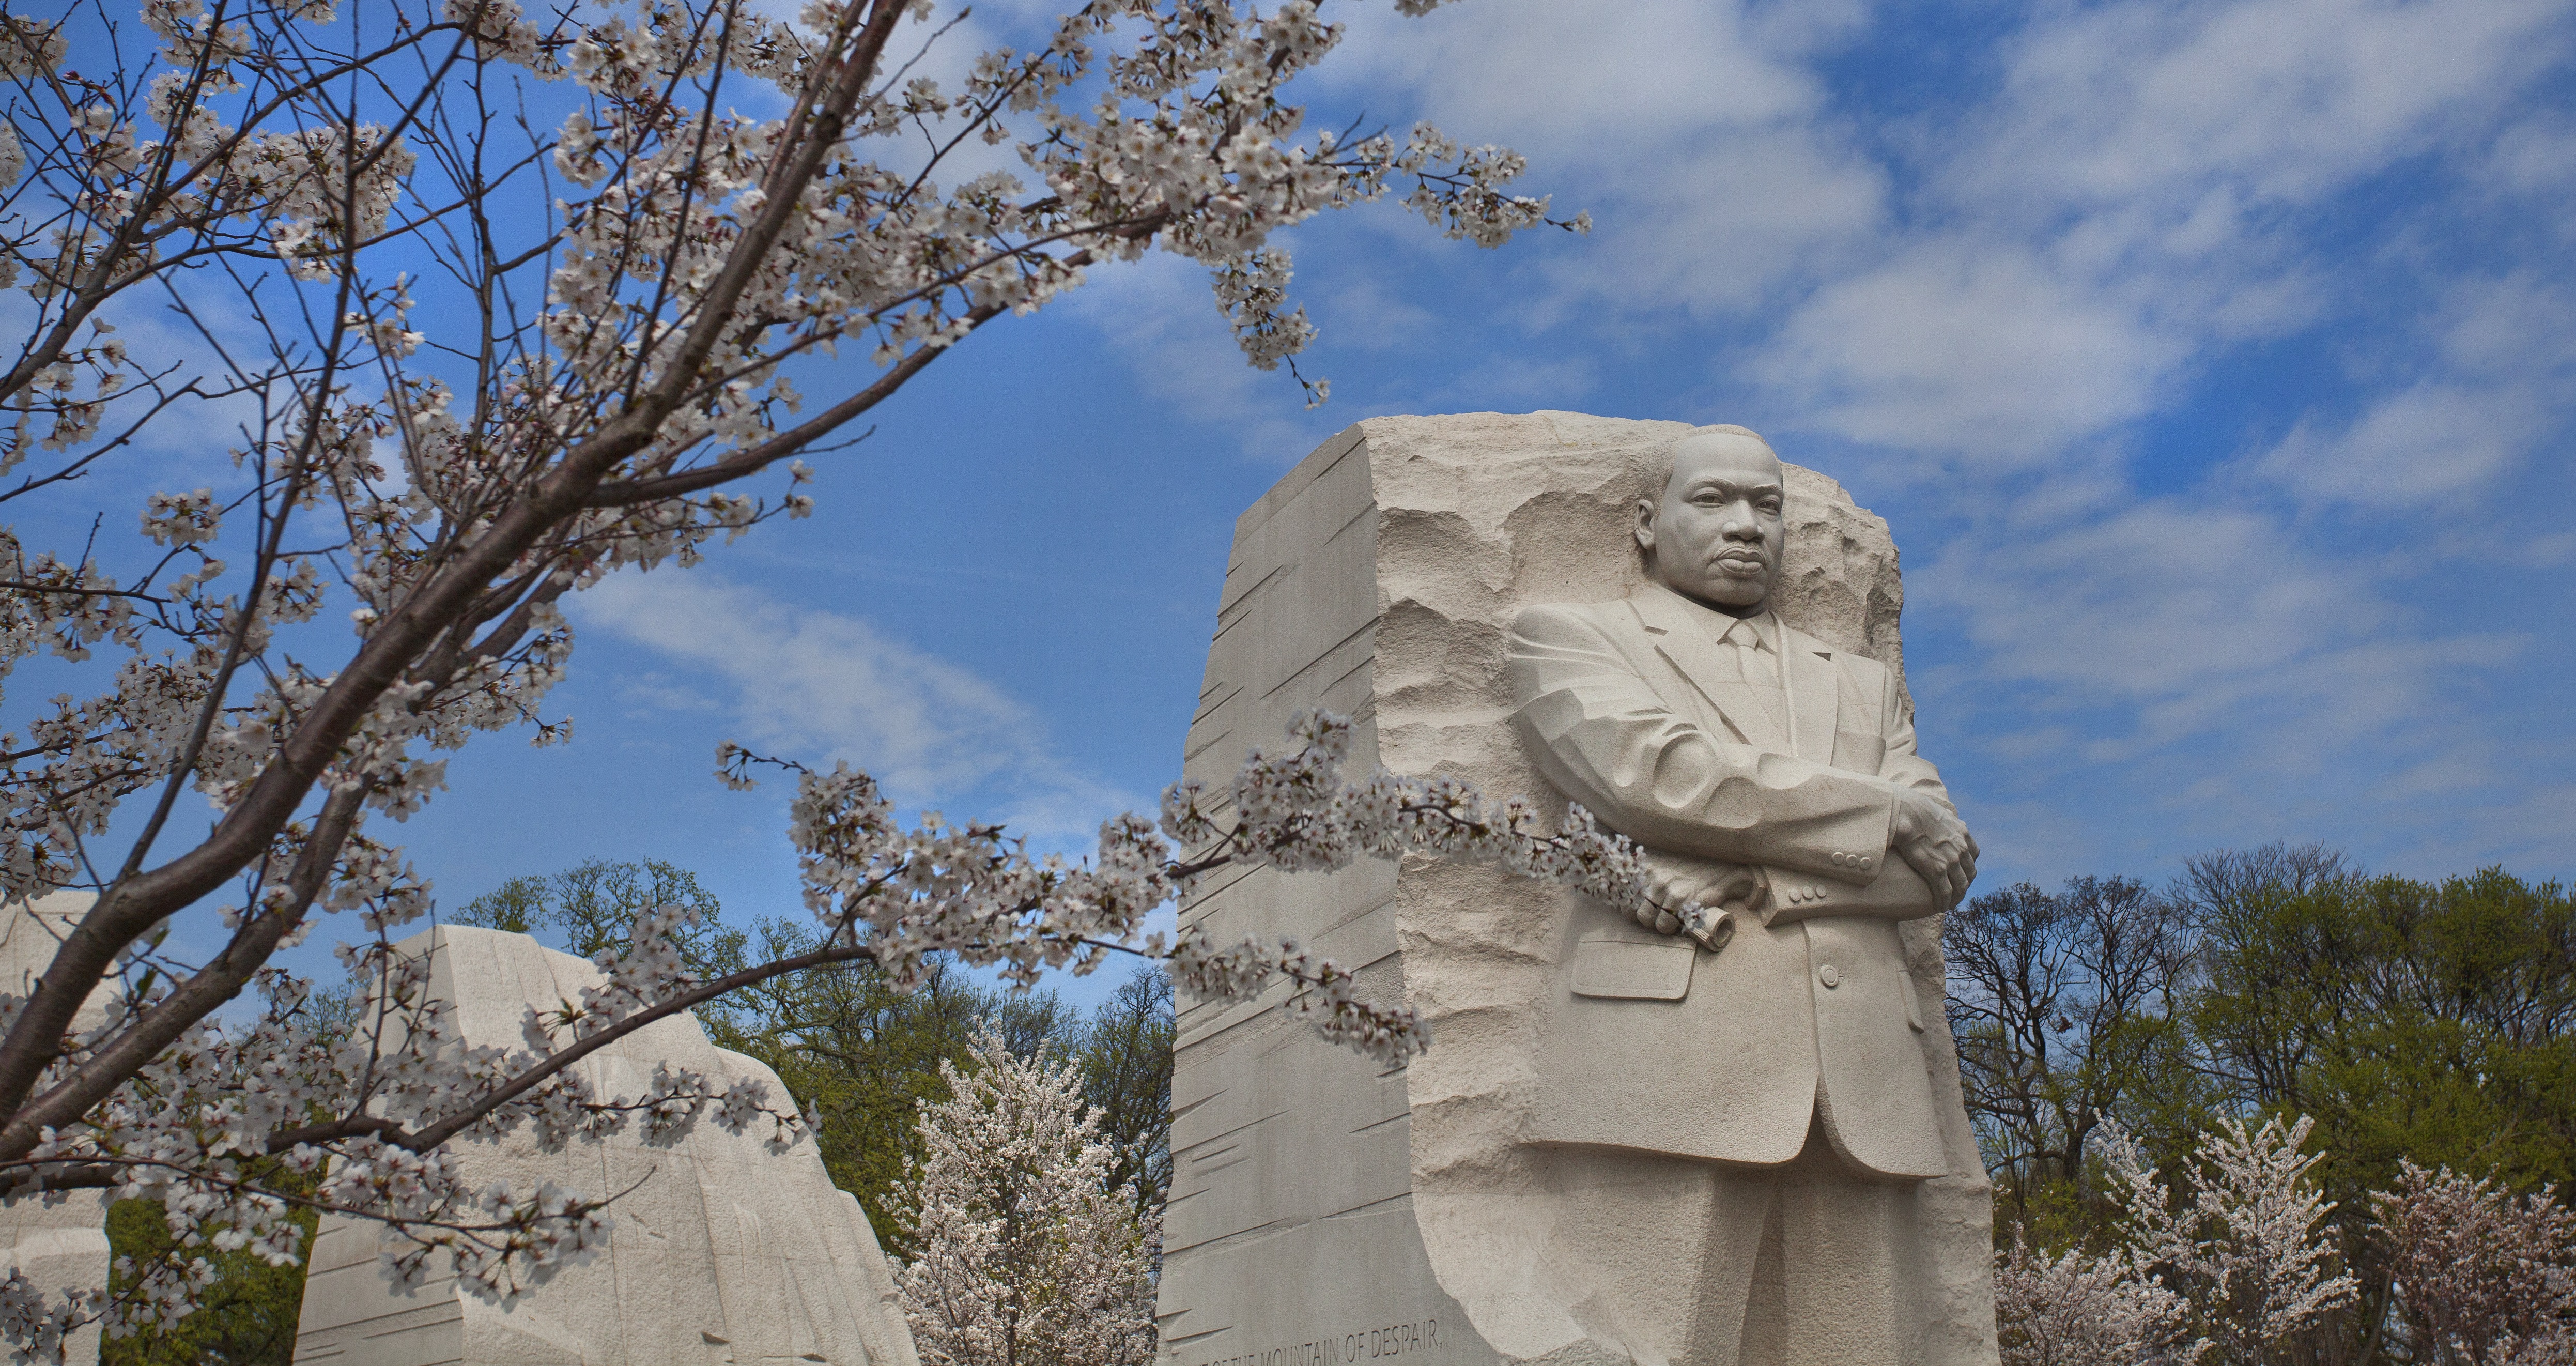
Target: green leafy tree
{"x": 250, "y": 1307}
{"x": 2431, "y": 1021}
{"x": 2412, "y": 1021}
{"x": 2422, "y": 1021}
{"x": 863, "y": 1057}
{"x": 592, "y": 907}
{"x": 247, "y": 1315}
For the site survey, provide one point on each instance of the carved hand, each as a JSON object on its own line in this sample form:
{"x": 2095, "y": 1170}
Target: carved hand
{"x": 1937, "y": 845}
{"x": 1675, "y": 882}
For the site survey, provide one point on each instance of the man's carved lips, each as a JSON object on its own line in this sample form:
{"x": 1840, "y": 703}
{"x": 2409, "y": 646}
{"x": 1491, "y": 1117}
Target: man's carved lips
{"x": 1740, "y": 562}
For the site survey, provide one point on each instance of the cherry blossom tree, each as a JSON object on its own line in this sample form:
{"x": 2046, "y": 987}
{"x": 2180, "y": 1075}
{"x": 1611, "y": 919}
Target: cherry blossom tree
{"x": 2076, "y": 1309}
{"x": 446, "y": 310}
{"x": 2241, "y": 1241}
{"x": 2482, "y": 1276}
{"x": 1028, "y": 1256}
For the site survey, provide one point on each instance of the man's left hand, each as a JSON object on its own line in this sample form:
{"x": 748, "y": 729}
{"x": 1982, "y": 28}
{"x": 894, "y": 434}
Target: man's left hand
{"x": 1676, "y": 882}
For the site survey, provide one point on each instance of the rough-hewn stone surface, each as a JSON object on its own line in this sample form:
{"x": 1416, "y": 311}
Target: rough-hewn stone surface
{"x": 62, "y": 1246}
{"x": 723, "y": 1252}
{"x": 1329, "y": 1212}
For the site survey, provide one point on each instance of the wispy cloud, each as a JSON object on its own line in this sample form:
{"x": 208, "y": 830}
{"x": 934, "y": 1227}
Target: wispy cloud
{"x": 2005, "y": 304}
{"x": 2028, "y": 305}
{"x": 1696, "y": 133}
{"x": 815, "y": 684}
{"x": 1161, "y": 320}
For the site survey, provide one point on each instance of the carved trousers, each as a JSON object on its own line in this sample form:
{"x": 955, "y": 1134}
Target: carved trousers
{"x": 1804, "y": 1264}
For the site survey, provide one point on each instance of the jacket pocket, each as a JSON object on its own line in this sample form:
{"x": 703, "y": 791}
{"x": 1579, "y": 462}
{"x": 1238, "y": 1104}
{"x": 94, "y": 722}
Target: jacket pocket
{"x": 1618, "y": 966}
{"x": 1859, "y": 751}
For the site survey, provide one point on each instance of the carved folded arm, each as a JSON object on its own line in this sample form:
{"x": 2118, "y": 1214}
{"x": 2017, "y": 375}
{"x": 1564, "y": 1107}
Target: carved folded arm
{"x": 1602, "y": 735}
{"x": 1900, "y": 764}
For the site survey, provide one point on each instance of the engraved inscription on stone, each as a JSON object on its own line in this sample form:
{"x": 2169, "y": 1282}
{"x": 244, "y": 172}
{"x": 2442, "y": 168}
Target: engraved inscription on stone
{"x": 1414, "y": 1338}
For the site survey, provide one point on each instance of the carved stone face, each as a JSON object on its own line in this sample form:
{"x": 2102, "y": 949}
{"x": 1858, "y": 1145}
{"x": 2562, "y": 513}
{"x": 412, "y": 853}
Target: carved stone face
{"x": 1716, "y": 533}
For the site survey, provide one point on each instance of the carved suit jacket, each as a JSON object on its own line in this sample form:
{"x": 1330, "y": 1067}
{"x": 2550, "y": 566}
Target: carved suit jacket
{"x": 1808, "y": 1014}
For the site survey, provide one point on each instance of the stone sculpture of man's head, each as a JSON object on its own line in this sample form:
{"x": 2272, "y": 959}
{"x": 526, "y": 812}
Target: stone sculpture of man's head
{"x": 1714, "y": 532}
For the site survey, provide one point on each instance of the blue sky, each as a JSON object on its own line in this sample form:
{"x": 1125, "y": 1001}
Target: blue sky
{"x": 2214, "y": 363}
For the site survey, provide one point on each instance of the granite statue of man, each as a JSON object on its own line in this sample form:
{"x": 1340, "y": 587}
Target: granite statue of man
{"x": 1749, "y": 1097}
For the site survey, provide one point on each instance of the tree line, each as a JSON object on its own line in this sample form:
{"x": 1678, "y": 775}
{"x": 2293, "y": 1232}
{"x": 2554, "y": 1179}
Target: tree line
{"x": 2370, "y": 1045}
{"x": 2415, "y": 1032}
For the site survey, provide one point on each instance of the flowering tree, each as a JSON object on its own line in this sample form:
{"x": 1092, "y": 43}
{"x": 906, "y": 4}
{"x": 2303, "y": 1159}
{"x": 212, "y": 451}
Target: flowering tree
{"x": 2481, "y": 1276}
{"x": 1028, "y": 1257}
{"x": 488, "y": 306}
{"x": 2075, "y": 1309}
{"x": 2243, "y": 1246}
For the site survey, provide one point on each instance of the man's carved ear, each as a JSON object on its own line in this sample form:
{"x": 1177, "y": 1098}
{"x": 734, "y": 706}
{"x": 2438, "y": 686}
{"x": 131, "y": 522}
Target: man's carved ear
{"x": 1646, "y": 525}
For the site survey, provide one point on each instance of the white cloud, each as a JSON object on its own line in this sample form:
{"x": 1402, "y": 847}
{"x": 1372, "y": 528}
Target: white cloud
{"x": 2424, "y": 445}
{"x": 2536, "y": 156}
{"x": 1158, "y": 316}
{"x": 2128, "y": 205}
{"x": 1691, "y": 131}
{"x": 2492, "y": 391}
{"x": 811, "y": 684}
{"x": 2185, "y": 672}
{"x": 2150, "y": 105}
{"x": 1981, "y": 350}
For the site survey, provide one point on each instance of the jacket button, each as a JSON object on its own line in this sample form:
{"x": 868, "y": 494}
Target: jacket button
{"x": 1829, "y": 975}
{"x": 1841, "y": 858}
{"x": 1864, "y": 865}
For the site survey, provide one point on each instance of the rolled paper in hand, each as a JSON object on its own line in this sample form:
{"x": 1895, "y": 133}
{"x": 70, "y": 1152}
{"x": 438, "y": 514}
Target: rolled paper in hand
{"x": 1708, "y": 926}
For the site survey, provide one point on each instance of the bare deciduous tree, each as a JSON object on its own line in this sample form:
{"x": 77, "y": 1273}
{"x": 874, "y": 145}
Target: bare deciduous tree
{"x": 2062, "y": 1003}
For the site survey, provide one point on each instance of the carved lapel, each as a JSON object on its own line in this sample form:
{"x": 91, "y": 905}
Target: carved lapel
{"x": 1684, "y": 643}
{"x": 1815, "y": 690}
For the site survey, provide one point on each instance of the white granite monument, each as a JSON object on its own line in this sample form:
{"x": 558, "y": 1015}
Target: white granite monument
{"x": 722, "y": 1252}
{"x": 1623, "y": 1147}
{"x": 61, "y": 1246}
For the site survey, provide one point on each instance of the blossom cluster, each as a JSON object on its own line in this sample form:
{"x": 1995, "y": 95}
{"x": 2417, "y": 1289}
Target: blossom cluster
{"x": 461, "y": 372}
{"x": 2485, "y": 1275}
{"x": 2079, "y": 1309}
{"x": 966, "y": 891}
{"x": 2230, "y": 1262}
{"x": 1028, "y": 1257}
{"x": 2246, "y": 1249}
{"x": 2225, "y": 1263}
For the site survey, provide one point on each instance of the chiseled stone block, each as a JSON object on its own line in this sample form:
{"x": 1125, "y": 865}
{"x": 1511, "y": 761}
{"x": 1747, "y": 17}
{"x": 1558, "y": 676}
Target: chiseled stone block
{"x": 61, "y": 1246}
{"x": 1327, "y": 1213}
{"x": 722, "y": 1251}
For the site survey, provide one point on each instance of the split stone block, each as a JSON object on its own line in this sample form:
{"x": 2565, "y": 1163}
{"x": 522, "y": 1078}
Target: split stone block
{"x": 722, "y": 1253}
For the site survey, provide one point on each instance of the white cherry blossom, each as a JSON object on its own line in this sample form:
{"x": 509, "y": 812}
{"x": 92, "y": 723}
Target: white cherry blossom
{"x": 488, "y": 303}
